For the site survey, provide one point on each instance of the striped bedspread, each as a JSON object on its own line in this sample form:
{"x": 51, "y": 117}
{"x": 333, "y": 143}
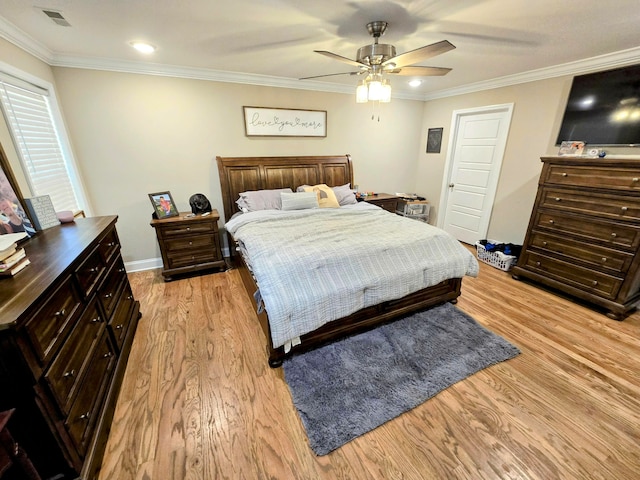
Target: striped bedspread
{"x": 315, "y": 266}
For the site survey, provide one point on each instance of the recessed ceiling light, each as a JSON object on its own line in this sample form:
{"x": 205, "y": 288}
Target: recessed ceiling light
{"x": 143, "y": 47}
{"x": 415, "y": 83}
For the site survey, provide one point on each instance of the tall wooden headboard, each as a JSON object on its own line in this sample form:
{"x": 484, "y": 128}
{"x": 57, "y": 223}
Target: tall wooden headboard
{"x": 241, "y": 174}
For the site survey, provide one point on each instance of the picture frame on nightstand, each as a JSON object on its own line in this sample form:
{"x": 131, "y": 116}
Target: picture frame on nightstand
{"x": 163, "y": 205}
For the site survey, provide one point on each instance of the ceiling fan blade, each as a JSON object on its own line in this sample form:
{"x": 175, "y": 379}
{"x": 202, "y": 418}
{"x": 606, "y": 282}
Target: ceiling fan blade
{"x": 420, "y": 54}
{"x": 330, "y": 75}
{"x": 420, "y": 71}
{"x": 340, "y": 58}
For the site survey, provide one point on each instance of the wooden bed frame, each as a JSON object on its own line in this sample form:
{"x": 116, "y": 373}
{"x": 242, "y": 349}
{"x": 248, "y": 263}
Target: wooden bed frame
{"x": 240, "y": 174}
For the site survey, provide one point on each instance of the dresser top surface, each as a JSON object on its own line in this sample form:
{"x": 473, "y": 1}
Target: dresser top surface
{"x": 51, "y": 252}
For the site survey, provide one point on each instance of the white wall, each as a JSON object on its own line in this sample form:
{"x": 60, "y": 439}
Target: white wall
{"x": 137, "y": 134}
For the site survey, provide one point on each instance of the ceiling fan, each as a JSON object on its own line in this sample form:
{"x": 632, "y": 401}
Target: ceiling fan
{"x": 379, "y": 58}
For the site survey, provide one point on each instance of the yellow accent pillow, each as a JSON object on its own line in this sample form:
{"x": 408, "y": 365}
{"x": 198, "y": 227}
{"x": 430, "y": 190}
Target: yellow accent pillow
{"x": 326, "y": 197}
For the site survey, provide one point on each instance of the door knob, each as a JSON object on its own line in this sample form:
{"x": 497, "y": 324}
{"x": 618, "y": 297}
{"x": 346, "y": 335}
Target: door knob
{"x": 451, "y": 185}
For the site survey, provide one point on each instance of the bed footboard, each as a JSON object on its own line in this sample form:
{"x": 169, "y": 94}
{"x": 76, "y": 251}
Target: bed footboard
{"x": 360, "y": 321}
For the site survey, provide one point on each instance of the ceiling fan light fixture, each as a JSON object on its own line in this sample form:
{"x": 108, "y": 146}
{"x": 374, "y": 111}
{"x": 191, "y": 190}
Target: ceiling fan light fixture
{"x": 386, "y": 92}
{"x": 362, "y": 93}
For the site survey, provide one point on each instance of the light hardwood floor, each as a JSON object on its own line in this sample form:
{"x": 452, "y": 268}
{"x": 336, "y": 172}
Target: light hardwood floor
{"x": 200, "y": 402}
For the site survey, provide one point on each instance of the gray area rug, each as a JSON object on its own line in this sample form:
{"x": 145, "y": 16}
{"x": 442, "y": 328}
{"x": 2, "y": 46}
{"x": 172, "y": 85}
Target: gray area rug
{"x": 347, "y": 388}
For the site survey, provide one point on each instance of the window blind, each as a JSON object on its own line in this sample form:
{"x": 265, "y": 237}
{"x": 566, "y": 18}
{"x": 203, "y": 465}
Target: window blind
{"x": 28, "y": 115}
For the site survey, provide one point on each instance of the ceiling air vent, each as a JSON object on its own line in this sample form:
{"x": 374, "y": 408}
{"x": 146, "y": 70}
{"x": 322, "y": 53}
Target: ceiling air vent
{"x": 57, "y": 18}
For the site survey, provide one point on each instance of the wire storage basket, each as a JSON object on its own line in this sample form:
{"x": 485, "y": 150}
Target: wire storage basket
{"x": 498, "y": 260}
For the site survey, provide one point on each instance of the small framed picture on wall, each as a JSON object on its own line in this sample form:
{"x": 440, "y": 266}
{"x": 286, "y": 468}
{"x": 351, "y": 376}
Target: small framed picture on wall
{"x": 434, "y": 140}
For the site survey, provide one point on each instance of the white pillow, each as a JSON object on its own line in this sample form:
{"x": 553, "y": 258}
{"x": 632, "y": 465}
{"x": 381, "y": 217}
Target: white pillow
{"x": 299, "y": 200}
{"x": 345, "y": 195}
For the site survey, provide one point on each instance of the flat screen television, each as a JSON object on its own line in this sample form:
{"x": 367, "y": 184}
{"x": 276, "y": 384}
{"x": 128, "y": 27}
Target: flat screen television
{"x": 604, "y": 108}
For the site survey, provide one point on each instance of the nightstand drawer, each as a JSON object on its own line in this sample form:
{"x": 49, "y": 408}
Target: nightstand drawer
{"x": 184, "y": 259}
{"x": 190, "y": 244}
{"x": 188, "y": 229}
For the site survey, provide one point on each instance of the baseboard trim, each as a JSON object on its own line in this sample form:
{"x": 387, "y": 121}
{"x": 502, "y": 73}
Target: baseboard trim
{"x": 142, "y": 265}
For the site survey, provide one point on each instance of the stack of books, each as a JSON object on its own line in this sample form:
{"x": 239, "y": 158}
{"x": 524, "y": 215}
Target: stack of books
{"x": 12, "y": 257}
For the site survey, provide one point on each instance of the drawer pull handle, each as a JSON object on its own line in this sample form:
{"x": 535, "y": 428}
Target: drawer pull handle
{"x": 111, "y": 244}
{"x": 544, "y": 244}
{"x": 94, "y": 269}
{"x": 108, "y": 295}
{"x": 614, "y": 235}
{"x": 538, "y": 264}
{"x": 557, "y": 199}
{"x": 107, "y": 355}
{"x": 129, "y": 297}
{"x": 96, "y": 320}
{"x": 84, "y": 416}
{"x": 121, "y": 270}
{"x": 594, "y": 283}
{"x": 60, "y": 313}
{"x": 188, "y": 229}
{"x": 552, "y": 221}
{"x": 635, "y": 179}
{"x": 624, "y": 209}
{"x": 68, "y": 374}
{"x": 119, "y": 327}
{"x": 604, "y": 259}
{"x": 565, "y": 174}
{"x": 190, "y": 243}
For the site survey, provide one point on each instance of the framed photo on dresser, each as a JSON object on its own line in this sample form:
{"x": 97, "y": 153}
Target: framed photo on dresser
{"x": 14, "y": 218}
{"x": 163, "y": 205}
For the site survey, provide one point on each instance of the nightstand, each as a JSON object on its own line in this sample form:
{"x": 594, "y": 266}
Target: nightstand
{"x": 384, "y": 200}
{"x": 189, "y": 244}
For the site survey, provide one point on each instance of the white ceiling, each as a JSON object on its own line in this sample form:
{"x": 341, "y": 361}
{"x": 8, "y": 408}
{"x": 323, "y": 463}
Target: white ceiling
{"x": 271, "y": 42}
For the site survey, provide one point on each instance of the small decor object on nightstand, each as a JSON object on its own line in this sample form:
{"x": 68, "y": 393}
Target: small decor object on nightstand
{"x": 199, "y": 203}
{"x": 163, "y": 205}
{"x": 42, "y": 212}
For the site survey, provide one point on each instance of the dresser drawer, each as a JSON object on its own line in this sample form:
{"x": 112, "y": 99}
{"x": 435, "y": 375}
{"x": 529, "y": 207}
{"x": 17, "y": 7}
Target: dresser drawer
{"x": 69, "y": 366}
{"x": 109, "y": 290}
{"x": 606, "y": 258}
{"x": 593, "y": 176}
{"x": 585, "y": 279}
{"x": 589, "y": 203}
{"x": 589, "y": 229}
{"x": 188, "y": 228}
{"x": 119, "y": 323}
{"x": 48, "y": 328}
{"x": 90, "y": 272}
{"x": 86, "y": 408}
{"x": 109, "y": 245}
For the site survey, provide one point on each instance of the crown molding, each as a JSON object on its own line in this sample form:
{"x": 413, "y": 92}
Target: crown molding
{"x": 14, "y": 35}
{"x": 22, "y": 40}
{"x": 602, "y": 62}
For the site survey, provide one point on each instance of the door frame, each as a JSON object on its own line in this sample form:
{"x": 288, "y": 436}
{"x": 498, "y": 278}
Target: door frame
{"x": 448, "y": 166}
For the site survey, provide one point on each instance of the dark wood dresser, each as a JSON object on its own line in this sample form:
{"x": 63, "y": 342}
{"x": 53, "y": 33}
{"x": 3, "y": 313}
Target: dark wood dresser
{"x": 584, "y": 233}
{"x": 67, "y": 322}
{"x": 189, "y": 244}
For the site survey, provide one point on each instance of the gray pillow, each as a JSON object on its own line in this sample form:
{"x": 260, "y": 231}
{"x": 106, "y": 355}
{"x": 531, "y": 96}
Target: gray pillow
{"x": 299, "y": 200}
{"x": 345, "y": 195}
{"x": 254, "y": 200}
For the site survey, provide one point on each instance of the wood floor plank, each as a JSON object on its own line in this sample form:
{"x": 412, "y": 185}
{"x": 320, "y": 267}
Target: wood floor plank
{"x": 200, "y": 402}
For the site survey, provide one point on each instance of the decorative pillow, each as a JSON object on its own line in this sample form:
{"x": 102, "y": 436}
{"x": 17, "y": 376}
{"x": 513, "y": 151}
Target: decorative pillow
{"x": 326, "y": 197}
{"x": 345, "y": 195}
{"x": 299, "y": 200}
{"x": 254, "y": 200}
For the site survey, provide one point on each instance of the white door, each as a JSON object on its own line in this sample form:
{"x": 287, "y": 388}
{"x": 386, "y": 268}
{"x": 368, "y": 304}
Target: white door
{"x": 472, "y": 169}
